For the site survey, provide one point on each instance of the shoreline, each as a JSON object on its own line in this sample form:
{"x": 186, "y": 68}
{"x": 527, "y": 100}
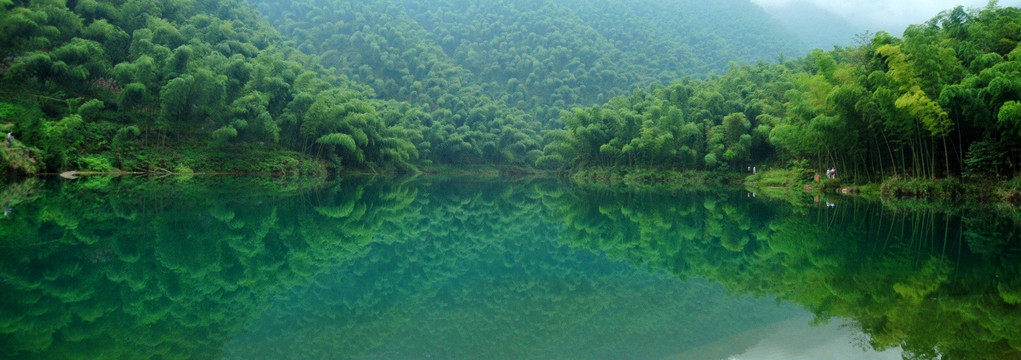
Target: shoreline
{"x": 1005, "y": 191}
{"x": 1001, "y": 190}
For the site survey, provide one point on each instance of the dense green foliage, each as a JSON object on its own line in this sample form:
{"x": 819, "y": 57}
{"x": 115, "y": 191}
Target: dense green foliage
{"x": 134, "y": 84}
{"x": 481, "y": 80}
{"x": 384, "y": 85}
{"x": 544, "y": 56}
{"x": 375, "y": 43}
{"x": 941, "y": 101}
{"x": 670, "y": 39}
{"x": 142, "y": 85}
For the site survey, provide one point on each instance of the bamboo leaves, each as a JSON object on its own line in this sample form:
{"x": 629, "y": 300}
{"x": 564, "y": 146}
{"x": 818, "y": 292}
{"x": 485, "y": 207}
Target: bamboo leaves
{"x": 912, "y": 98}
{"x": 1010, "y": 115}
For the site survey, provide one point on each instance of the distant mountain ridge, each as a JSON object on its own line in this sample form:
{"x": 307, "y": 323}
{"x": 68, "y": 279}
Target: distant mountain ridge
{"x": 540, "y": 56}
{"x": 481, "y": 81}
{"x": 373, "y": 84}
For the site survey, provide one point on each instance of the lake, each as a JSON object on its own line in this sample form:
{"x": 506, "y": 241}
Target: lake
{"x": 459, "y": 268}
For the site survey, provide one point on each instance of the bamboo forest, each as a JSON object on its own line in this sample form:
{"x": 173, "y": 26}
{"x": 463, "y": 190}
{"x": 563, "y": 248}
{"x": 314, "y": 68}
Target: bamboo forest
{"x": 510, "y": 179}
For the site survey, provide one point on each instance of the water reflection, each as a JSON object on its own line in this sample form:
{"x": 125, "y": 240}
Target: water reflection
{"x": 398, "y": 268}
{"x": 934, "y": 282}
{"x": 477, "y": 271}
{"x": 798, "y": 340}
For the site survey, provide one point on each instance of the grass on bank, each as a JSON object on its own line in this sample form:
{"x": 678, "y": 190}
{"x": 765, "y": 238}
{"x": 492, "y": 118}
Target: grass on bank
{"x": 645, "y": 178}
{"x": 182, "y": 159}
{"x": 206, "y": 159}
{"x": 484, "y": 170}
{"x": 793, "y": 178}
{"x": 972, "y": 189}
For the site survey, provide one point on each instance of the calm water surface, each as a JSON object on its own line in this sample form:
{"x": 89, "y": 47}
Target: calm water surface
{"x": 428, "y": 268}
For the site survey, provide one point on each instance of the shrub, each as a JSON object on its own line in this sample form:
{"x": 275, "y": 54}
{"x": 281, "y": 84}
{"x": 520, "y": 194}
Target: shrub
{"x": 96, "y": 163}
{"x": 951, "y": 188}
{"x": 183, "y": 169}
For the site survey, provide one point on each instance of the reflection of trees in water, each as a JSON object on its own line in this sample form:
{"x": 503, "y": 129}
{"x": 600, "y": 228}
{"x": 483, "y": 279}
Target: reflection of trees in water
{"x": 130, "y": 268}
{"x": 475, "y": 273}
{"x": 911, "y": 278}
{"x": 662, "y": 230}
{"x": 932, "y": 283}
{"x": 451, "y": 235}
{"x": 140, "y": 269}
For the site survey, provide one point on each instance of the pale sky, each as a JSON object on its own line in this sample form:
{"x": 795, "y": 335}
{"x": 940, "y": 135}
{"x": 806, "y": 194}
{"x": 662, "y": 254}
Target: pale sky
{"x": 890, "y": 15}
{"x": 796, "y": 340}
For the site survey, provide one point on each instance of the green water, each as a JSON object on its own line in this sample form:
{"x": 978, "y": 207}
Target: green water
{"x": 427, "y": 268}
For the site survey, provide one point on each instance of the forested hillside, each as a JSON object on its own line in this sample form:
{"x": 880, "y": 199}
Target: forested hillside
{"x": 209, "y": 85}
{"x": 383, "y": 85}
{"x": 481, "y": 80}
{"x": 944, "y": 100}
{"x": 175, "y": 85}
{"x": 555, "y": 53}
{"x": 713, "y": 33}
{"x": 375, "y": 43}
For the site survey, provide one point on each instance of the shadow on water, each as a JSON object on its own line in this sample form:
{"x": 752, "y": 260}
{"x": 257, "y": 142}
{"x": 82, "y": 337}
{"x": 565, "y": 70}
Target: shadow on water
{"x": 393, "y": 268}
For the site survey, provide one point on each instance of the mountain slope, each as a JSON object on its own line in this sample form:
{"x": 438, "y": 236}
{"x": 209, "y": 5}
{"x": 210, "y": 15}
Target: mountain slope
{"x": 482, "y": 79}
{"x": 540, "y": 56}
{"x": 376, "y": 84}
{"x": 704, "y": 35}
{"x": 146, "y": 85}
{"x": 376, "y": 43}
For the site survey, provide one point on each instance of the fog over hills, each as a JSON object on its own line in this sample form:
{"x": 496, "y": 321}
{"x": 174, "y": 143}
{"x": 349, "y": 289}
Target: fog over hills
{"x": 817, "y": 27}
{"x": 873, "y": 15}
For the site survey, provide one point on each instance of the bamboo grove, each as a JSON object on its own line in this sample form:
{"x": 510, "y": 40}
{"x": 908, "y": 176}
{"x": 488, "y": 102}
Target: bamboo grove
{"x": 171, "y": 85}
{"x": 304, "y": 86}
{"x": 259, "y": 86}
{"x": 941, "y": 101}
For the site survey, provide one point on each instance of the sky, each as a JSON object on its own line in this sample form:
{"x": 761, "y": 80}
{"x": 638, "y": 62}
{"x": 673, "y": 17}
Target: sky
{"x": 890, "y": 15}
{"x": 797, "y": 340}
